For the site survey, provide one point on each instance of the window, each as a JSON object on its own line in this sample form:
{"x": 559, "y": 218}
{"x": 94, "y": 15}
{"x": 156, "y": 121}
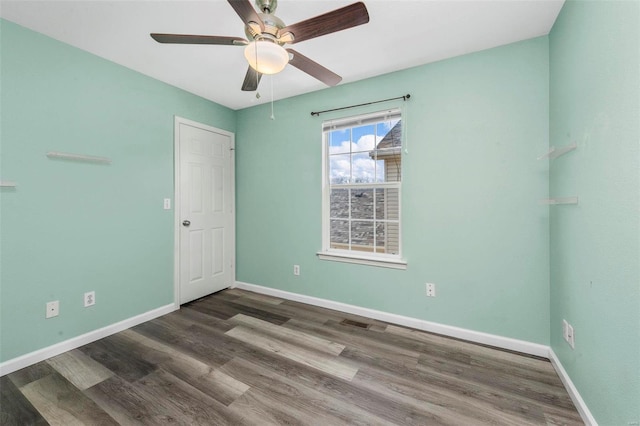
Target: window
{"x": 362, "y": 188}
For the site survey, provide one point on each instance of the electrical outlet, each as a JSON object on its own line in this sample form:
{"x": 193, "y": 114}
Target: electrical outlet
{"x": 431, "y": 290}
{"x": 89, "y": 298}
{"x": 296, "y": 269}
{"x": 565, "y": 330}
{"x": 571, "y": 336}
{"x": 53, "y": 309}
{"x": 167, "y": 204}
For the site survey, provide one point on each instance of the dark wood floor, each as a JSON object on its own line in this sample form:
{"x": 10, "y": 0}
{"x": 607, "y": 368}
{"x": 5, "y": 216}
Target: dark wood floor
{"x": 242, "y": 358}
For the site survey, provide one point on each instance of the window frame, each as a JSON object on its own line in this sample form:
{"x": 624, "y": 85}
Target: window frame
{"x": 395, "y": 261}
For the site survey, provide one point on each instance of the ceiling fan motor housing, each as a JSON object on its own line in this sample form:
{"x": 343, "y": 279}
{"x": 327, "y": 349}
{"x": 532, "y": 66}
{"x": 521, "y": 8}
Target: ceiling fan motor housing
{"x": 272, "y": 24}
{"x": 267, "y": 6}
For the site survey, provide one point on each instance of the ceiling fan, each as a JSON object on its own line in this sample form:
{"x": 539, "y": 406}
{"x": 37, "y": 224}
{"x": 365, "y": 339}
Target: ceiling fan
{"x": 268, "y": 34}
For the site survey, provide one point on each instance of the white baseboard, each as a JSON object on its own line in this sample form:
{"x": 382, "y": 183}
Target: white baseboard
{"x": 40, "y": 355}
{"x": 582, "y": 408}
{"x": 447, "y": 330}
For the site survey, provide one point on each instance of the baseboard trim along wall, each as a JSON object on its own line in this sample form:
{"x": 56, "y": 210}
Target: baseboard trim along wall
{"x": 446, "y": 330}
{"x": 45, "y": 353}
{"x": 586, "y": 415}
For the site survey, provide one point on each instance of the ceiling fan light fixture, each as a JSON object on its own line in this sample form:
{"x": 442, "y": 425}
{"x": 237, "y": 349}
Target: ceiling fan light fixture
{"x": 271, "y": 57}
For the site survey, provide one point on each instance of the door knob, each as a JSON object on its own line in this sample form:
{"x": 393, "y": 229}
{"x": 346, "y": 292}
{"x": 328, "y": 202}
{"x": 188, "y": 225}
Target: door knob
{"x": 186, "y": 223}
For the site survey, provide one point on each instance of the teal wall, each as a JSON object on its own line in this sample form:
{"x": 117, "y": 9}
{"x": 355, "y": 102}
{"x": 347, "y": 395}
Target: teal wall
{"x": 472, "y": 221}
{"x": 595, "y": 246}
{"x": 503, "y": 263}
{"x": 73, "y": 227}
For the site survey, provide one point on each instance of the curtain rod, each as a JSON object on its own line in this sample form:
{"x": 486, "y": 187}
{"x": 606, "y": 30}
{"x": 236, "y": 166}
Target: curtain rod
{"x": 404, "y": 98}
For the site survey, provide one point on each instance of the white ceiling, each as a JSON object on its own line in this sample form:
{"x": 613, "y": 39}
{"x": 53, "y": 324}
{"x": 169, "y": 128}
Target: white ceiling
{"x": 400, "y": 34}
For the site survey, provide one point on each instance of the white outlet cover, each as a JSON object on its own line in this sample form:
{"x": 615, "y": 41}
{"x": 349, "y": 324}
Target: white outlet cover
{"x": 53, "y": 309}
{"x": 89, "y": 298}
{"x": 571, "y": 336}
{"x": 430, "y": 289}
{"x": 565, "y": 330}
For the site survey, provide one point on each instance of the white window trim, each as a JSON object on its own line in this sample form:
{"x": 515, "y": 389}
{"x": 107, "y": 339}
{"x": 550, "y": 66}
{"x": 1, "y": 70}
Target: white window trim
{"x": 348, "y": 256}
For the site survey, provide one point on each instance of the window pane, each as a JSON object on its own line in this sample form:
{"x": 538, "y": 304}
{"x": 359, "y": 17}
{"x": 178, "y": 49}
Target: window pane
{"x": 392, "y": 237}
{"x": 339, "y": 141}
{"x": 381, "y": 231}
{"x": 339, "y": 234}
{"x": 364, "y": 138}
{"x": 392, "y": 204}
{"x": 363, "y": 168}
{"x": 381, "y": 210}
{"x": 339, "y": 207}
{"x": 383, "y": 129}
{"x": 362, "y": 204}
{"x": 340, "y": 168}
{"x": 380, "y": 171}
{"x": 362, "y": 236}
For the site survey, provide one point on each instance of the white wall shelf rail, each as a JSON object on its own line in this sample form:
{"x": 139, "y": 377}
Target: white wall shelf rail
{"x": 556, "y": 201}
{"x": 78, "y": 157}
{"x": 7, "y": 184}
{"x": 557, "y": 152}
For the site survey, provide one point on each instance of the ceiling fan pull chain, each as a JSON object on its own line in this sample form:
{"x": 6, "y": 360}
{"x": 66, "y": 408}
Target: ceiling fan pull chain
{"x": 257, "y": 74}
{"x": 273, "y": 117}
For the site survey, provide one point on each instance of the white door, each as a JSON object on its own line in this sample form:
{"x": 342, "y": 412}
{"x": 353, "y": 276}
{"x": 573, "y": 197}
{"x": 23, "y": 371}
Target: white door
{"x": 205, "y": 217}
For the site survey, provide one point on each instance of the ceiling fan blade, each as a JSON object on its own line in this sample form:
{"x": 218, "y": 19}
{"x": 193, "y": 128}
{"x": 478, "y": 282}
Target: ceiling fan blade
{"x": 198, "y": 39}
{"x": 313, "y": 68}
{"x": 246, "y": 12}
{"x": 340, "y": 19}
{"x": 251, "y": 80}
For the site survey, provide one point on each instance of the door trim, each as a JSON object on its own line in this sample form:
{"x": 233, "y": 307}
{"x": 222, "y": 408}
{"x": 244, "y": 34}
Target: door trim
{"x": 176, "y": 201}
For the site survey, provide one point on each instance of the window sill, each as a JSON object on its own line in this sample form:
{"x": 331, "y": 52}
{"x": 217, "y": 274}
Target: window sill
{"x": 363, "y": 260}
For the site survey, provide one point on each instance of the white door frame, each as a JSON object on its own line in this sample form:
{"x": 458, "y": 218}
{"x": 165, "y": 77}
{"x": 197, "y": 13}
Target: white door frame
{"x": 176, "y": 201}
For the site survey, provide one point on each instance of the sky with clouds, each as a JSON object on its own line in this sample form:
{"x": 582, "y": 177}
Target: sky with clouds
{"x": 349, "y": 153}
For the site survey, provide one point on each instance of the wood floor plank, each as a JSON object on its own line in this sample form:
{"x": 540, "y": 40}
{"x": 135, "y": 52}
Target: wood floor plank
{"x": 289, "y": 335}
{"x": 80, "y": 369}
{"x": 331, "y": 314}
{"x": 115, "y": 354}
{"x": 30, "y": 374}
{"x": 129, "y": 405}
{"x": 339, "y": 389}
{"x": 231, "y": 308}
{"x": 518, "y": 403}
{"x": 452, "y": 345}
{"x": 439, "y": 399}
{"x": 290, "y": 392}
{"x": 15, "y": 408}
{"x": 195, "y": 345}
{"x": 188, "y": 404}
{"x": 61, "y": 403}
{"x": 258, "y": 408}
{"x": 328, "y": 364}
{"x": 254, "y": 296}
{"x": 198, "y": 374}
{"x": 189, "y": 317}
{"x": 356, "y": 338}
{"x": 282, "y": 309}
{"x": 527, "y": 388}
